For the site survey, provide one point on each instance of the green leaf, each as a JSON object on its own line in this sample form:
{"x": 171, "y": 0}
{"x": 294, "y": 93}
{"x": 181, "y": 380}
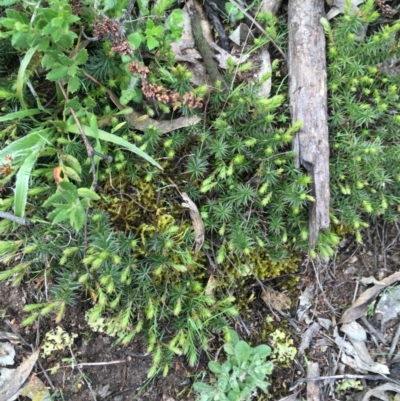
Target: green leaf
{"x": 202, "y": 387}
{"x": 105, "y": 136}
{"x": 57, "y": 197}
{"x": 234, "y": 395}
{"x": 19, "y": 114}
{"x": 7, "y": 3}
{"x": 215, "y": 367}
{"x": 23, "y": 147}
{"x": 71, "y": 173}
{"x": 124, "y": 112}
{"x": 72, "y": 162}
{"x": 262, "y": 351}
{"x": 242, "y": 351}
{"x": 21, "y": 75}
{"x": 73, "y": 84}
{"x": 77, "y": 218}
{"x": 69, "y": 187}
{"x": 135, "y": 39}
{"x": 74, "y": 104}
{"x": 57, "y": 73}
{"x": 62, "y": 215}
{"x": 48, "y": 61}
{"x": 22, "y": 182}
{"x": 94, "y": 127}
{"x": 88, "y": 193}
{"x": 81, "y": 57}
{"x": 229, "y": 349}
{"x": 152, "y": 43}
{"x": 109, "y": 4}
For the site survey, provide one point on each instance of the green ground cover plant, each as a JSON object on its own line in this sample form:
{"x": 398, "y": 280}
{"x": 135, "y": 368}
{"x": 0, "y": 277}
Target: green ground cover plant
{"x": 114, "y": 229}
{"x": 240, "y": 376}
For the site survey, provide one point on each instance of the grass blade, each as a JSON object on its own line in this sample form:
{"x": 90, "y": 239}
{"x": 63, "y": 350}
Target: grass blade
{"x": 21, "y": 75}
{"x": 23, "y": 146}
{"x": 19, "y": 114}
{"x": 22, "y": 182}
{"x": 106, "y": 136}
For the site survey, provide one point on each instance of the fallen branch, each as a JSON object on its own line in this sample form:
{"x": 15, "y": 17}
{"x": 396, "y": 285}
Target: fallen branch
{"x": 308, "y": 104}
{"x": 204, "y": 49}
{"x": 15, "y": 219}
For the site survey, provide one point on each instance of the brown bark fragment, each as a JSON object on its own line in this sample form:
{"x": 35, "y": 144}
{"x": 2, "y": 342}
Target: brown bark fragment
{"x": 308, "y": 103}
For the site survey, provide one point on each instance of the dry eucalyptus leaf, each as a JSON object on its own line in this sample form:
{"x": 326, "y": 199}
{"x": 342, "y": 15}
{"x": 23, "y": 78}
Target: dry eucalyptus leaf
{"x": 242, "y": 35}
{"x": 388, "y": 307}
{"x": 305, "y": 301}
{"x": 12, "y": 338}
{"x": 307, "y": 336}
{"x": 380, "y": 392}
{"x": 360, "y": 306}
{"x": 351, "y": 357}
{"x": 7, "y": 354}
{"x": 13, "y": 383}
{"x": 370, "y": 280}
{"x": 338, "y": 7}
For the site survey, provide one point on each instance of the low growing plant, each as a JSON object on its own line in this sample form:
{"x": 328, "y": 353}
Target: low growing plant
{"x": 240, "y": 376}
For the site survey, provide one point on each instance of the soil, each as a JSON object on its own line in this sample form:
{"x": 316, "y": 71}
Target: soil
{"x": 121, "y": 372}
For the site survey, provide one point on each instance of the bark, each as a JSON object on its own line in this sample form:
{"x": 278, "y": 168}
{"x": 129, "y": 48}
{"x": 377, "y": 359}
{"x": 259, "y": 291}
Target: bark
{"x": 308, "y": 103}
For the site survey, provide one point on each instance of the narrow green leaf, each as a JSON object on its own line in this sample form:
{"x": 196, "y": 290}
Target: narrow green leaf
{"x": 21, "y": 75}
{"x": 94, "y": 126}
{"x": 105, "y": 136}
{"x": 23, "y": 146}
{"x": 22, "y": 183}
{"x": 19, "y": 114}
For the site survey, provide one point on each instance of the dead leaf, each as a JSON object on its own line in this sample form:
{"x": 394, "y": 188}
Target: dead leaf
{"x": 339, "y": 5}
{"x": 370, "y": 280}
{"x": 12, "y": 338}
{"x": 7, "y": 354}
{"x": 313, "y": 390}
{"x": 351, "y": 358}
{"x": 380, "y": 391}
{"x": 357, "y": 336}
{"x": 292, "y": 397}
{"x": 242, "y": 35}
{"x": 307, "y": 336}
{"x": 275, "y": 300}
{"x": 197, "y": 222}
{"x": 305, "y": 301}
{"x": 211, "y": 286}
{"x": 388, "y": 307}
{"x": 360, "y": 306}
{"x": 13, "y": 383}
